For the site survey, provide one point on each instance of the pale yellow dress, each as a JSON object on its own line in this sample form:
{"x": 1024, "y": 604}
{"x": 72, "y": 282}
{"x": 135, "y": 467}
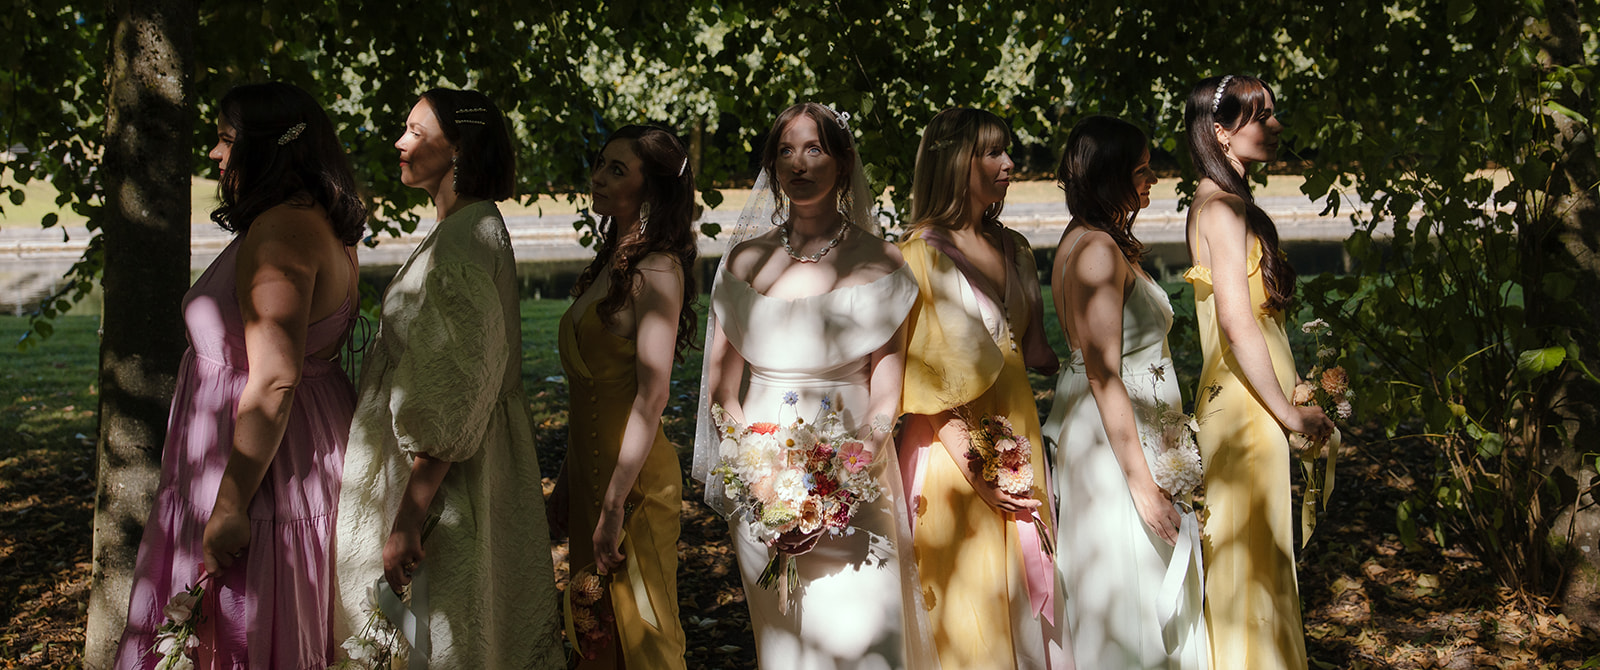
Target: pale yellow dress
{"x": 971, "y": 557}
{"x": 1252, "y": 600}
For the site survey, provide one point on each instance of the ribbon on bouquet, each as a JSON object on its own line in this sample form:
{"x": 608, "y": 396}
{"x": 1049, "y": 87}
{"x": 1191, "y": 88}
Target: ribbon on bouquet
{"x": 1038, "y": 564}
{"x": 1317, "y": 498}
{"x": 1185, "y": 554}
{"x": 411, "y": 619}
{"x": 641, "y": 595}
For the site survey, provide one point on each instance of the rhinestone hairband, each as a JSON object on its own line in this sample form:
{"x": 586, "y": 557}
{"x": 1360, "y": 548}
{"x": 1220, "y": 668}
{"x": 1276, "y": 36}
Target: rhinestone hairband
{"x": 844, "y": 119}
{"x": 470, "y": 110}
{"x": 293, "y": 132}
{"x": 1216, "y": 98}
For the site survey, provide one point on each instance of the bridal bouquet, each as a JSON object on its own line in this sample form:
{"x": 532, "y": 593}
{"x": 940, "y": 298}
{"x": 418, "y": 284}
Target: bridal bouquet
{"x": 176, "y": 640}
{"x": 588, "y": 613}
{"x": 1004, "y": 458}
{"x": 800, "y": 476}
{"x": 1170, "y": 434}
{"x": 1327, "y": 386}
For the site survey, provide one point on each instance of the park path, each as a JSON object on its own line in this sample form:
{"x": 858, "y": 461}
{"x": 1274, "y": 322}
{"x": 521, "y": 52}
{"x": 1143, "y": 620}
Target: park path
{"x": 32, "y": 260}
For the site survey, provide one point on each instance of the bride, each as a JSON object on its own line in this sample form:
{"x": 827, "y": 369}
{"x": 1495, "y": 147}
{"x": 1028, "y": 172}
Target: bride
{"x": 808, "y": 311}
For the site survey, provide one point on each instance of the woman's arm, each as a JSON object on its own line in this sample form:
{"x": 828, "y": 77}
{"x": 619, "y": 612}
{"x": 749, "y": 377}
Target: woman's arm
{"x": 403, "y": 550}
{"x": 1226, "y": 240}
{"x": 275, "y": 284}
{"x": 656, "y": 302}
{"x": 727, "y": 375}
{"x": 1094, "y": 294}
{"x": 888, "y": 370}
{"x": 953, "y": 434}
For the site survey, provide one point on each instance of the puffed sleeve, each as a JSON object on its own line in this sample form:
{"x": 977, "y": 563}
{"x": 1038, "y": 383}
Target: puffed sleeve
{"x": 448, "y": 380}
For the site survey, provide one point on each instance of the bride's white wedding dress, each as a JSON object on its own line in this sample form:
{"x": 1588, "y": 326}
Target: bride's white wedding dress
{"x": 854, "y": 607}
{"x": 1111, "y": 565}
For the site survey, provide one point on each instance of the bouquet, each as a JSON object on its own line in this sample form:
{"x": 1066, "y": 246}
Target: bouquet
{"x": 1170, "y": 435}
{"x": 1328, "y": 387}
{"x": 176, "y": 639}
{"x": 588, "y": 613}
{"x": 379, "y": 643}
{"x": 1004, "y": 458}
{"x": 800, "y": 476}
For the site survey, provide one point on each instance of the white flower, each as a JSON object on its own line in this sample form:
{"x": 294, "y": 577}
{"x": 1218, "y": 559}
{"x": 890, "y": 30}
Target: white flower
{"x": 1179, "y": 470}
{"x": 1327, "y": 353}
{"x": 1314, "y": 327}
{"x": 790, "y": 486}
{"x": 729, "y": 449}
{"x": 181, "y": 606}
{"x": 166, "y": 643}
{"x": 1343, "y": 409}
{"x": 359, "y": 649}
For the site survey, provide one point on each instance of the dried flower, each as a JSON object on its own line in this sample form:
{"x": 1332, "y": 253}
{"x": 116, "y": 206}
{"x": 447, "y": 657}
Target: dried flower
{"x": 1314, "y": 327}
{"x": 1335, "y": 382}
{"x": 1303, "y": 393}
{"x": 587, "y": 588}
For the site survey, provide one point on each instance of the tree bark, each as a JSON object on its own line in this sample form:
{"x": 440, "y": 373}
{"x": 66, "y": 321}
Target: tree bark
{"x": 144, "y": 172}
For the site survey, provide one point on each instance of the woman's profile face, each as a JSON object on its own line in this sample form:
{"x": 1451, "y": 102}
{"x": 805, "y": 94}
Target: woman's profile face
{"x": 425, "y": 154}
{"x": 806, "y": 173}
{"x": 224, "y": 147}
{"x": 1143, "y": 179}
{"x": 990, "y": 176}
{"x": 616, "y": 187}
{"x": 1257, "y": 140}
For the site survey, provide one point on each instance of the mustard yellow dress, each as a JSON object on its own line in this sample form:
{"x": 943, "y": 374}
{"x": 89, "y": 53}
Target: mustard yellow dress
{"x": 974, "y": 561}
{"x": 1252, "y": 600}
{"x": 602, "y": 383}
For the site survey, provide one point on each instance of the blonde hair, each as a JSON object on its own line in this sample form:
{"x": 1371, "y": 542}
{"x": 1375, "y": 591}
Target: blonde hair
{"x": 944, "y": 166}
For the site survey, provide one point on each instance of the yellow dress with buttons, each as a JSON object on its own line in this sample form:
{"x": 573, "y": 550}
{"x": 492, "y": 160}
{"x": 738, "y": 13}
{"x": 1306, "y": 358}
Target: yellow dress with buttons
{"x": 601, "y": 384}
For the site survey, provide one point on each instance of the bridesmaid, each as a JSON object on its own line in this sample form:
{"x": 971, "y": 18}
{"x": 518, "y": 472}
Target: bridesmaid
{"x": 441, "y": 428}
{"x": 1242, "y": 285}
{"x": 250, "y": 469}
{"x": 976, "y": 326}
{"x": 620, "y": 489}
{"x": 1117, "y": 528}
{"x": 813, "y": 302}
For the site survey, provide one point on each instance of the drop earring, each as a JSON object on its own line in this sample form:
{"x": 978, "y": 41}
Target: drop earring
{"x": 644, "y": 217}
{"x": 455, "y": 175}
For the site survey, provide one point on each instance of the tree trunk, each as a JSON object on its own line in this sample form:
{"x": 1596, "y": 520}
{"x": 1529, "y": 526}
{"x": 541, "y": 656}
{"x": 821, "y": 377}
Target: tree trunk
{"x": 1571, "y": 242}
{"x": 145, "y": 174}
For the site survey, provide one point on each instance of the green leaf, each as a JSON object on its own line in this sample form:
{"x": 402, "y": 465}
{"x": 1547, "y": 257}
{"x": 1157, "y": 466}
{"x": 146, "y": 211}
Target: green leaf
{"x": 17, "y": 196}
{"x": 1535, "y": 362}
{"x": 1491, "y": 445}
{"x": 1566, "y": 111}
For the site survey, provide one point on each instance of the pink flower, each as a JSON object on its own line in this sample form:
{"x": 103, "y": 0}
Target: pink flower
{"x": 181, "y": 606}
{"x": 855, "y": 456}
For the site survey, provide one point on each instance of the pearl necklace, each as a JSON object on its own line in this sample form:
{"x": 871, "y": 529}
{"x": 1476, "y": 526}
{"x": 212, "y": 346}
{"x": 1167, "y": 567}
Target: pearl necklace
{"x": 843, "y": 224}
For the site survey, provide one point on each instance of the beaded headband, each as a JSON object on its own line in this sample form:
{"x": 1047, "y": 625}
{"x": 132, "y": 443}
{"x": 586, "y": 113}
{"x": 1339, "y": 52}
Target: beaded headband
{"x": 470, "y": 110}
{"x": 844, "y": 119}
{"x": 1216, "y": 98}
{"x": 293, "y": 132}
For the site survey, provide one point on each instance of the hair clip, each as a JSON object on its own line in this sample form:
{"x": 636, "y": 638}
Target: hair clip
{"x": 293, "y": 132}
{"x": 470, "y": 110}
{"x": 844, "y": 119}
{"x": 1216, "y": 98}
{"x": 471, "y": 121}
{"x": 684, "y": 167}
{"x": 943, "y": 144}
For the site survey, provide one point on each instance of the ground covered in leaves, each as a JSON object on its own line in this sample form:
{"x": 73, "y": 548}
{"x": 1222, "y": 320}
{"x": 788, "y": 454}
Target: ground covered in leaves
{"x": 1369, "y": 602}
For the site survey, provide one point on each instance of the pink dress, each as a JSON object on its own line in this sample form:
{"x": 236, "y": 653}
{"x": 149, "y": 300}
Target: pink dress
{"x": 275, "y": 600}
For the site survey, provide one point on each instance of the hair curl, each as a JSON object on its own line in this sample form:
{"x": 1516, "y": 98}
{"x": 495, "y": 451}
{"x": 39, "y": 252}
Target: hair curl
{"x": 669, "y": 194}
{"x": 1243, "y": 101}
{"x": 485, "y": 160}
{"x": 308, "y": 170}
{"x": 1096, "y": 175}
{"x": 943, "y": 170}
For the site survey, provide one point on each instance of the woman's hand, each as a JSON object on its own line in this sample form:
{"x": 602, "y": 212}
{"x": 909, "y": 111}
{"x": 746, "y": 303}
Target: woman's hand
{"x": 226, "y": 536}
{"x": 990, "y": 492}
{"x": 1311, "y": 421}
{"x": 401, "y": 554}
{"x": 1156, "y": 510}
{"x": 555, "y": 507}
{"x": 797, "y": 542}
{"x": 608, "y": 543}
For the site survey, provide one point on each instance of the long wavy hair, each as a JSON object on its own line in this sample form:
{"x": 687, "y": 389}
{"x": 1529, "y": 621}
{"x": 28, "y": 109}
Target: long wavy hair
{"x": 1096, "y": 174}
{"x": 669, "y": 195}
{"x": 1243, "y": 101}
{"x": 943, "y": 171}
{"x": 269, "y": 165}
{"x": 831, "y": 134}
{"x": 485, "y": 160}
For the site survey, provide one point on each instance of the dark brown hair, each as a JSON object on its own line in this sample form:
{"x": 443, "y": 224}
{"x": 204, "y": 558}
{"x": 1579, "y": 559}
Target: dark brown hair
{"x": 831, "y": 134}
{"x": 272, "y": 164}
{"x": 1241, "y": 102}
{"x": 1096, "y": 174}
{"x": 485, "y": 161}
{"x": 669, "y": 194}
